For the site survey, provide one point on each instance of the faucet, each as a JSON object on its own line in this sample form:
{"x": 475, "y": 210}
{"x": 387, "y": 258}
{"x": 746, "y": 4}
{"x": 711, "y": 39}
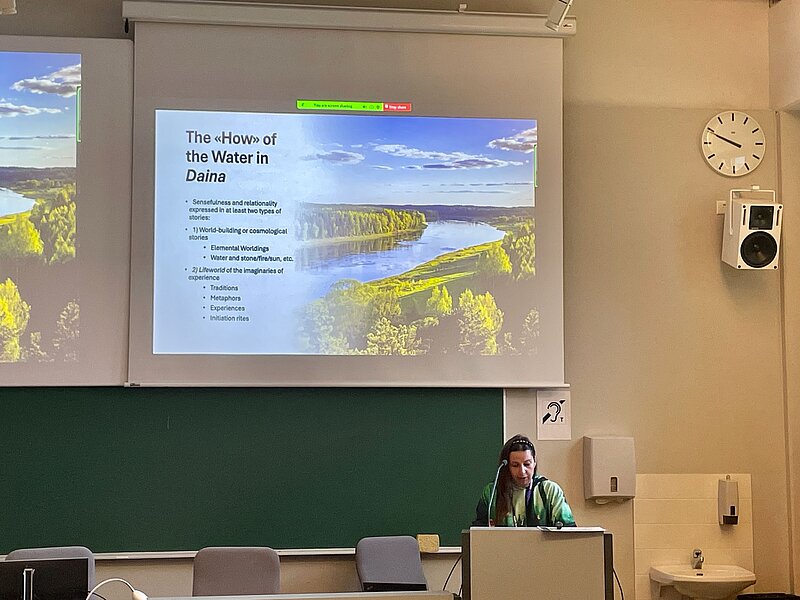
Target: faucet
{"x": 697, "y": 558}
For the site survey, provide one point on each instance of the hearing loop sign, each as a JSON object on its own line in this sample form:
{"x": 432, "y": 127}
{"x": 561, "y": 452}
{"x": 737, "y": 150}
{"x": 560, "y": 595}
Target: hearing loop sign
{"x": 553, "y": 420}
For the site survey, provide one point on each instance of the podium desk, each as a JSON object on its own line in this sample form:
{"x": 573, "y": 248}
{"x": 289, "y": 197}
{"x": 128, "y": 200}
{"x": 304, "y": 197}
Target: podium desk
{"x": 573, "y": 563}
{"x": 334, "y": 596}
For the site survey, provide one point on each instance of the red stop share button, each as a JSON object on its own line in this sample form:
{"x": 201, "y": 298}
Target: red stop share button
{"x": 397, "y": 106}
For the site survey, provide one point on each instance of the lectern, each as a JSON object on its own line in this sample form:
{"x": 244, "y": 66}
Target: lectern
{"x": 574, "y": 563}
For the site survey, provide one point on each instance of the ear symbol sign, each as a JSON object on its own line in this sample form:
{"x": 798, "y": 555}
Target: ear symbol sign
{"x": 553, "y": 412}
{"x": 556, "y": 407}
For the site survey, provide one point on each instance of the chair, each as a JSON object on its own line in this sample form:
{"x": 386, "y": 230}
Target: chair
{"x": 236, "y": 571}
{"x": 56, "y": 552}
{"x": 390, "y": 563}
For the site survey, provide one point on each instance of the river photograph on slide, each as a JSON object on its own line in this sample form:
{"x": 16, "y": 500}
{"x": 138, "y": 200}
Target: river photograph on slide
{"x": 425, "y": 242}
{"x": 39, "y": 283}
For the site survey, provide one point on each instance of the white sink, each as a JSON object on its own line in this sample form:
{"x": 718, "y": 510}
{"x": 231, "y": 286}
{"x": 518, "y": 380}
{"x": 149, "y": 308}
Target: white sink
{"x": 712, "y": 582}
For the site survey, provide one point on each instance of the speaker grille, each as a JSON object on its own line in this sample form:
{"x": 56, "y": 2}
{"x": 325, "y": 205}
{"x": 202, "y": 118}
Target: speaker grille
{"x": 759, "y": 249}
{"x": 762, "y": 217}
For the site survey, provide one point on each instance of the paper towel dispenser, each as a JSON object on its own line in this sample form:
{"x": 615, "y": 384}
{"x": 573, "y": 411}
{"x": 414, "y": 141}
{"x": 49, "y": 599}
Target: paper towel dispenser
{"x": 609, "y": 468}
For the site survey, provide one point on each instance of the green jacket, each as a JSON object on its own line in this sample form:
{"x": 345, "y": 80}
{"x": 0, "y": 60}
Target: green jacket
{"x": 547, "y": 506}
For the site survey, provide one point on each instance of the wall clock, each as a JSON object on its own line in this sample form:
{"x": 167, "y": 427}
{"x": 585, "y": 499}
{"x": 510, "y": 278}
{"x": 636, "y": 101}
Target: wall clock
{"x": 733, "y": 143}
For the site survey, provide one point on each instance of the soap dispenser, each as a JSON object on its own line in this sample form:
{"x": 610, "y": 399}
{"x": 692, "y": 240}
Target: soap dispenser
{"x": 728, "y": 501}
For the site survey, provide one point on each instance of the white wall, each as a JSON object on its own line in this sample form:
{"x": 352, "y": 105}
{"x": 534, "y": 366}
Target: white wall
{"x": 784, "y": 54}
{"x": 78, "y": 18}
{"x": 668, "y": 53}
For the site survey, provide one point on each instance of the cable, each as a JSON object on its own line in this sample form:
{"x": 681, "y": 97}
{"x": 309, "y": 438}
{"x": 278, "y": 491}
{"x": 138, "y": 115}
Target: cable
{"x": 621, "y": 593}
{"x": 446, "y": 581}
{"x": 135, "y": 594}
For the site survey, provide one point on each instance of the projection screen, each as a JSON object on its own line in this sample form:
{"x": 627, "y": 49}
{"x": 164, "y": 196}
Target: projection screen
{"x": 345, "y": 207}
{"x": 65, "y": 192}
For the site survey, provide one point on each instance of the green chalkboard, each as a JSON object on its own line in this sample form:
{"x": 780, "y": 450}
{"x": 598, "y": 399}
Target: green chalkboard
{"x": 160, "y": 469}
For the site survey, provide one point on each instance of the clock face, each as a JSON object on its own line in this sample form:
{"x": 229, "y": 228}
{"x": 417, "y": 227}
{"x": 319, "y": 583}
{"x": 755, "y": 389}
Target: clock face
{"x": 733, "y": 143}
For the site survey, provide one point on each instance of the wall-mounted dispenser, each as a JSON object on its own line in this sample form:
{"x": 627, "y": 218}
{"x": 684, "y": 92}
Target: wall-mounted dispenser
{"x": 728, "y": 501}
{"x": 609, "y": 468}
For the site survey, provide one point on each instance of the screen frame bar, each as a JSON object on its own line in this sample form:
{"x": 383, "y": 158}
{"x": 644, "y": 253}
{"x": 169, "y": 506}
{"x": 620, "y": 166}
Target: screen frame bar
{"x": 216, "y": 12}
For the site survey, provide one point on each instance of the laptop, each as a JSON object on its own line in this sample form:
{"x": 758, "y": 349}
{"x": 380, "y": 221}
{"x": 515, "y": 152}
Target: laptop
{"x": 44, "y": 579}
{"x": 375, "y": 586}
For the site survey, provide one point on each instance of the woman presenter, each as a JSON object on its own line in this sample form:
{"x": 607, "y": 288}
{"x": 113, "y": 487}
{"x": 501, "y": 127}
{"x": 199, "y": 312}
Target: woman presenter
{"x": 521, "y": 497}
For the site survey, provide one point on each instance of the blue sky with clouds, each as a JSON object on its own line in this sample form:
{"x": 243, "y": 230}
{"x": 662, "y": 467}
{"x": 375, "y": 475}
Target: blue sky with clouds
{"x": 37, "y": 108}
{"x": 391, "y": 159}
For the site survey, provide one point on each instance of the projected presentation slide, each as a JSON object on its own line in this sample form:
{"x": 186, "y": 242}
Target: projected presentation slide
{"x": 332, "y": 234}
{"x": 39, "y": 282}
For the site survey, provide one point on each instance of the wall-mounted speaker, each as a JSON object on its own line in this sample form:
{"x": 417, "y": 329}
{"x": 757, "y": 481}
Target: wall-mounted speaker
{"x": 751, "y": 236}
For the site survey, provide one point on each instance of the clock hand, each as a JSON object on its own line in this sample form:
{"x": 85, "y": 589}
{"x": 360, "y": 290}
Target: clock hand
{"x": 738, "y": 145}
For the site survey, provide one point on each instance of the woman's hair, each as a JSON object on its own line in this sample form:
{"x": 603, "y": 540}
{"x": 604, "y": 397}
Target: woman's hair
{"x": 505, "y": 486}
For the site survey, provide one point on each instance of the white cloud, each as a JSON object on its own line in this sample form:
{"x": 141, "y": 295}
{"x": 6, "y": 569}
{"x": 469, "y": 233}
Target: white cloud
{"x": 63, "y": 82}
{"x": 341, "y": 157}
{"x": 477, "y": 162}
{"x": 14, "y": 110}
{"x": 525, "y": 141}
{"x": 404, "y": 151}
{"x": 36, "y": 137}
